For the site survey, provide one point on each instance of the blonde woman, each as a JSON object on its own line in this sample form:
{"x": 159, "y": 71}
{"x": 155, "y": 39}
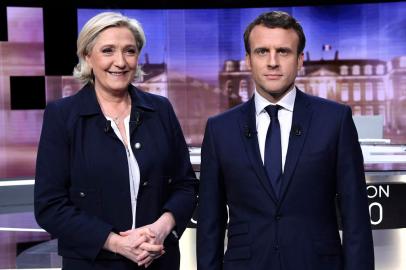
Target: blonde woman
{"x": 114, "y": 181}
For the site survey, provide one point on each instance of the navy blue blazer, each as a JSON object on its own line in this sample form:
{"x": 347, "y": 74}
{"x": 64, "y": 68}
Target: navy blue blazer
{"x": 82, "y": 190}
{"x": 299, "y": 230}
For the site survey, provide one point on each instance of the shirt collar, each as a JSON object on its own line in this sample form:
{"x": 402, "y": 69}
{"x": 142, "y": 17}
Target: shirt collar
{"x": 287, "y": 102}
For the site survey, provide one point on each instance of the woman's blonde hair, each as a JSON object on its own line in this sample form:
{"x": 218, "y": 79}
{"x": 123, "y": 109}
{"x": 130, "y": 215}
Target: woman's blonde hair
{"x": 88, "y": 36}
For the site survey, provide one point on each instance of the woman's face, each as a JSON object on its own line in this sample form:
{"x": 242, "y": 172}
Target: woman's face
{"x": 113, "y": 59}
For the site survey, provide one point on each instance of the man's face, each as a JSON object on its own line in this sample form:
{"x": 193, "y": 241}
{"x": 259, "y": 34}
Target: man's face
{"x": 274, "y": 60}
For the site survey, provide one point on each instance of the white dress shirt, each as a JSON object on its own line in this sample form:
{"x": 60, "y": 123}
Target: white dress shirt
{"x": 263, "y": 120}
{"x": 133, "y": 169}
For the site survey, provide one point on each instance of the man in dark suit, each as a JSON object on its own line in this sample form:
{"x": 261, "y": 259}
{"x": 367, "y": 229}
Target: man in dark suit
{"x": 279, "y": 163}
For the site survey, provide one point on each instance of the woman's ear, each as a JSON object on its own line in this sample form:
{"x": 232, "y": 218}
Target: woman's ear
{"x": 88, "y": 61}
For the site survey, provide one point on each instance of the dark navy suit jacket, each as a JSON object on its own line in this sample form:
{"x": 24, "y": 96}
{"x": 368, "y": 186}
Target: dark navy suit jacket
{"x": 299, "y": 230}
{"x": 82, "y": 190}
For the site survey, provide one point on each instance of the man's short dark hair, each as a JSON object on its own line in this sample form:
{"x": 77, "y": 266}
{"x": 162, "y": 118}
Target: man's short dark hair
{"x": 276, "y": 19}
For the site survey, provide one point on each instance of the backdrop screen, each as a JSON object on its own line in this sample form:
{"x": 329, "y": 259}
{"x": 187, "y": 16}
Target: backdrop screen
{"x": 355, "y": 54}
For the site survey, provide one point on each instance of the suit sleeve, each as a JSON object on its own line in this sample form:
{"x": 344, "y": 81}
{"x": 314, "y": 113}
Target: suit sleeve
{"x": 353, "y": 204}
{"x": 84, "y": 234}
{"x": 212, "y": 211}
{"x": 184, "y": 187}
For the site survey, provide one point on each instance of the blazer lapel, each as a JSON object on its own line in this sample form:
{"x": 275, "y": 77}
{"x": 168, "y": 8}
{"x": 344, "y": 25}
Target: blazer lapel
{"x": 142, "y": 111}
{"x": 89, "y": 107}
{"x": 302, "y": 114}
{"x": 141, "y": 128}
{"x": 248, "y": 131}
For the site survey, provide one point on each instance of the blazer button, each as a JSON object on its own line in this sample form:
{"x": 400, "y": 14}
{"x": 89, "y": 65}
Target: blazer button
{"x": 145, "y": 184}
{"x": 169, "y": 180}
{"x": 137, "y": 145}
{"x": 82, "y": 194}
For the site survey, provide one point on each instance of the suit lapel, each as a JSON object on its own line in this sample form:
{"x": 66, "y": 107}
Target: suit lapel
{"x": 302, "y": 114}
{"x": 248, "y": 131}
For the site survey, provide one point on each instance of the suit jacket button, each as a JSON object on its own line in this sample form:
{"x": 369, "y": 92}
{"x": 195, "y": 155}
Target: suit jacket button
{"x": 137, "y": 145}
{"x": 82, "y": 194}
{"x": 145, "y": 183}
{"x": 169, "y": 180}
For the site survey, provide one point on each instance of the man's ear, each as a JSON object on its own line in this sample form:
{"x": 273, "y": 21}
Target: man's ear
{"x": 300, "y": 60}
{"x": 248, "y": 60}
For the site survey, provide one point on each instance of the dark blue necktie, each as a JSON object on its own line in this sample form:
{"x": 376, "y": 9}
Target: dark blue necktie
{"x": 273, "y": 151}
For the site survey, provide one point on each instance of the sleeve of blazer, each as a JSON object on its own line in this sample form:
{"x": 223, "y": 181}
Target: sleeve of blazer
{"x": 353, "y": 204}
{"x": 212, "y": 211}
{"x": 184, "y": 187}
{"x": 54, "y": 211}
